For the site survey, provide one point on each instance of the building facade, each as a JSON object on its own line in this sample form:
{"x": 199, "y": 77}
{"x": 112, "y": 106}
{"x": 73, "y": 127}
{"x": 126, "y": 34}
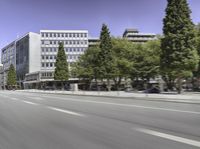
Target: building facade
{"x": 34, "y": 54}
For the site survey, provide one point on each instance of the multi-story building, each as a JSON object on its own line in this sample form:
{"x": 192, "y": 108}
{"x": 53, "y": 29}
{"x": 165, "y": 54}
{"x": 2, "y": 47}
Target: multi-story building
{"x": 135, "y": 36}
{"x": 1, "y": 76}
{"x": 75, "y": 43}
{"x": 23, "y": 54}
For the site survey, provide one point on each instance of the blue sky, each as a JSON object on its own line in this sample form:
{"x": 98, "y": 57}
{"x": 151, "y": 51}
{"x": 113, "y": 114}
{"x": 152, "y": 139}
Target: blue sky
{"x": 18, "y": 17}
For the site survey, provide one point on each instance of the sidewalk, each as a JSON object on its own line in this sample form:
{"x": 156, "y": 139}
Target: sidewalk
{"x": 193, "y": 98}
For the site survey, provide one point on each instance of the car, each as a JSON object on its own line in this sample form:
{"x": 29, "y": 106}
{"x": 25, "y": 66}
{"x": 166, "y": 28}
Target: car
{"x": 153, "y": 90}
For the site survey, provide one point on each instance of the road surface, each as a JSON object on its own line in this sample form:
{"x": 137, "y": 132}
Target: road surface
{"x": 46, "y": 121}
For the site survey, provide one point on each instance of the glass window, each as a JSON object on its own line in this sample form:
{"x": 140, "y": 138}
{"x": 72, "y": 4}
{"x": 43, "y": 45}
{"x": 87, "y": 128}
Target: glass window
{"x": 51, "y": 65}
{"x": 47, "y": 50}
{"x": 42, "y": 57}
{"x": 50, "y": 35}
{"x": 54, "y": 35}
{"x": 47, "y": 35}
{"x": 70, "y": 35}
{"x": 42, "y": 49}
{"x": 50, "y": 57}
{"x": 42, "y": 64}
{"x": 42, "y": 34}
{"x": 58, "y": 35}
{"x": 50, "y": 42}
{"x": 66, "y": 35}
{"x": 55, "y": 50}
{"x": 62, "y": 35}
{"x": 47, "y": 64}
{"x": 47, "y": 57}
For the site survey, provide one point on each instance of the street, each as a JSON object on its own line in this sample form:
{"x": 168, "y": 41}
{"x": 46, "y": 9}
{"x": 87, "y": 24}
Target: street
{"x": 52, "y": 121}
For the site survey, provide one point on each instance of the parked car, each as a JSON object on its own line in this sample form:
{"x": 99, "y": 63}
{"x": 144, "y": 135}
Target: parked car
{"x": 153, "y": 90}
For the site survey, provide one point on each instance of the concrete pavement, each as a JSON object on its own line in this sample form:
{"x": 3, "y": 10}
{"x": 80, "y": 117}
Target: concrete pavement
{"x": 54, "y": 121}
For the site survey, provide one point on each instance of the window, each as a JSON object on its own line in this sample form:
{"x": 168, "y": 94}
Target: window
{"x": 58, "y": 35}
{"x": 42, "y": 57}
{"x": 42, "y": 34}
{"x": 74, "y": 49}
{"x": 66, "y": 49}
{"x": 62, "y": 35}
{"x": 50, "y": 49}
{"x": 47, "y": 64}
{"x": 47, "y": 57}
{"x": 42, "y": 49}
{"x": 47, "y": 50}
{"x": 50, "y": 35}
{"x": 55, "y": 57}
{"x": 55, "y": 50}
{"x": 42, "y": 64}
{"x": 66, "y": 35}
{"x": 70, "y": 35}
{"x": 54, "y": 35}
{"x": 51, "y": 65}
{"x": 70, "y": 49}
{"x": 85, "y": 34}
{"x": 50, "y": 57}
{"x": 42, "y": 41}
{"x": 47, "y": 35}
{"x": 77, "y": 35}
{"x": 50, "y": 42}
{"x": 54, "y": 42}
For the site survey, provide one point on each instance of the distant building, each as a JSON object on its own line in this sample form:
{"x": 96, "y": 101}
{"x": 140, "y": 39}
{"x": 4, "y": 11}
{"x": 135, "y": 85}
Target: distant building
{"x": 135, "y": 36}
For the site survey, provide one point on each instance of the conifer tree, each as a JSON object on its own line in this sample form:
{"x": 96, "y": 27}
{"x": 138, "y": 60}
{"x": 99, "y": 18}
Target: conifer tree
{"x": 178, "y": 51}
{"x": 61, "y": 70}
{"x": 11, "y": 79}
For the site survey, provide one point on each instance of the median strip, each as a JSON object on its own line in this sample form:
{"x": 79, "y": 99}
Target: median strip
{"x": 170, "y": 137}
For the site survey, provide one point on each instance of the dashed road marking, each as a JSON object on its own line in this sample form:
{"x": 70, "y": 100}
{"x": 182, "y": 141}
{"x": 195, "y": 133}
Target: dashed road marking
{"x": 32, "y": 103}
{"x": 170, "y": 137}
{"x": 66, "y": 111}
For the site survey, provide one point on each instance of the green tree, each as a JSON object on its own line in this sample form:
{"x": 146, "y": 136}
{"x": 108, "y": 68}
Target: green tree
{"x": 61, "y": 70}
{"x": 86, "y": 67}
{"x": 179, "y": 55}
{"x": 105, "y": 60}
{"x": 11, "y": 79}
{"x": 122, "y": 63}
{"x": 146, "y": 59}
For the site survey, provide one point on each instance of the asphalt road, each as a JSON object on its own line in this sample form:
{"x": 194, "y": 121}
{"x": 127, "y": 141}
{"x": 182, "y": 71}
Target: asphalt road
{"x": 46, "y": 121}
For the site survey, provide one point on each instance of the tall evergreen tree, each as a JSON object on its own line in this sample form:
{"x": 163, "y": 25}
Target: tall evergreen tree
{"x": 61, "y": 70}
{"x": 11, "y": 79}
{"x": 105, "y": 55}
{"x": 179, "y": 55}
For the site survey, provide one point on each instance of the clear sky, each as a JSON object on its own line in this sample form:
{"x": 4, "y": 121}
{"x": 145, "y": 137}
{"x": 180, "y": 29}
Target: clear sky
{"x": 18, "y": 17}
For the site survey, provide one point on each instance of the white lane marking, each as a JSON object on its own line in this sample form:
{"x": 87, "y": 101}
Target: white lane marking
{"x": 65, "y": 111}
{"x": 36, "y": 98}
{"x": 14, "y": 99}
{"x": 28, "y": 102}
{"x": 170, "y": 137}
{"x": 131, "y": 105}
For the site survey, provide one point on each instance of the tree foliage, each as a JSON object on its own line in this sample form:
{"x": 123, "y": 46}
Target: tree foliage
{"x": 61, "y": 70}
{"x": 11, "y": 78}
{"x": 105, "y": 60}
{"x": 179, "y": 55}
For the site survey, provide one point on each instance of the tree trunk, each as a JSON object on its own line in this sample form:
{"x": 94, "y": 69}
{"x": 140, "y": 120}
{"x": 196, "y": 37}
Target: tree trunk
{"x": 108, "y": 85}
{"x": 179, "y": 87}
